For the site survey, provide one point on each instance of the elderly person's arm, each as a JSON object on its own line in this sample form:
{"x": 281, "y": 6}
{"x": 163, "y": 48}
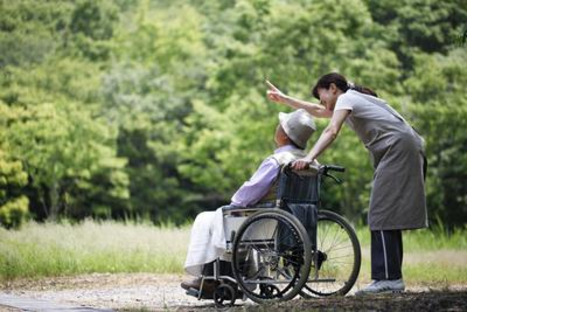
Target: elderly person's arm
{"x": 258, "y": 186}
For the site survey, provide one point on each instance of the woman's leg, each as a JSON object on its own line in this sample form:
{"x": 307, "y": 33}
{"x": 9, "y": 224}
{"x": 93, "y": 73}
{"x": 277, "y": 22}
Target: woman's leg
{"x": 386, "y": 255}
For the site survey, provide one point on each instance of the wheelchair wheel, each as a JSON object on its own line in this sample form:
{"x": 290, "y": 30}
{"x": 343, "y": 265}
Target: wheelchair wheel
{"x": 336, "y": 261}
{"x": 271, "y": 256}
{"x": 223, "y": 293}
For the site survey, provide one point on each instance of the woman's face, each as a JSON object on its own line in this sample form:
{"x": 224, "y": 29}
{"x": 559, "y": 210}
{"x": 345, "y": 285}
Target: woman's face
{"x": 328, "y": 96}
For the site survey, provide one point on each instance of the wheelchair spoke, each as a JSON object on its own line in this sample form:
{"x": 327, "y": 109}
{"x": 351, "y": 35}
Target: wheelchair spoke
{"x": 283, "y": 273}
{"x": 270, "y": 258}
{"x": 338, "y": 257}
{"x": 334, "y": 240}
{"x": 337, "y": 260}
{"x": 334, "y": 249}
{"x": 256, "y": 275}
{"x": 324, "y": 236}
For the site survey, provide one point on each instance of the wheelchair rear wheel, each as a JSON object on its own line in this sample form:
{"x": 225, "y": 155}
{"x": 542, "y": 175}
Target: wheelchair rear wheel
{"x": 271, "y": 256}
{"x": 336, "y": 261}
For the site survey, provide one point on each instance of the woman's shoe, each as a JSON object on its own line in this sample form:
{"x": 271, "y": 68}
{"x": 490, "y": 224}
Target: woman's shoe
{"x": 382, "y": 286}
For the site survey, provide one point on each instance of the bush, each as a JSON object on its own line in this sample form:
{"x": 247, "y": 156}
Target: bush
{"x": 14, "y": 213}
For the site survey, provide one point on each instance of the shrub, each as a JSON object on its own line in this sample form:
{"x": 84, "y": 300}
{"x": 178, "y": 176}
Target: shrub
{"x": 14, "y": 213}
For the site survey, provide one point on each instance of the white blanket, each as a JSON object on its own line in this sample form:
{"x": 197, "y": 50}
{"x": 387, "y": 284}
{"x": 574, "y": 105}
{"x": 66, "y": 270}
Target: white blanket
{"x": 207, "y": 241}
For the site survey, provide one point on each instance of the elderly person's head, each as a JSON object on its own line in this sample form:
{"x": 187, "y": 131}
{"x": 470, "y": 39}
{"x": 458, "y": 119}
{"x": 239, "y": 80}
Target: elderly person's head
{"x": 295, "y": 128}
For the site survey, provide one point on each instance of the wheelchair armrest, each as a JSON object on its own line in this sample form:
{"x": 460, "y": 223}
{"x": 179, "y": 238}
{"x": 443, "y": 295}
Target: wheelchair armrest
{"x": 231, "y": 207}
{"x": 237, "y": 210}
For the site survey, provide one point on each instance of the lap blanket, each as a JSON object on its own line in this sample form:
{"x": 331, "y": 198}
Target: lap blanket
{"x": 207, "y": 241}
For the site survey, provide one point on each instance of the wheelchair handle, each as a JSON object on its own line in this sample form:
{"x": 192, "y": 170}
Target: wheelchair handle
{"x": 337, "y": 180}
{"x": 322, "y": 169}
{"x": 287, "y": 169}
{"x": 327, "y": 168}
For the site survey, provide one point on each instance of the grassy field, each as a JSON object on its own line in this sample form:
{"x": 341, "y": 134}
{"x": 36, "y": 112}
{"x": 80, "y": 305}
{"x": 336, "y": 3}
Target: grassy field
{"x": 431, "y": 256}
{"x": 38, "y": 250}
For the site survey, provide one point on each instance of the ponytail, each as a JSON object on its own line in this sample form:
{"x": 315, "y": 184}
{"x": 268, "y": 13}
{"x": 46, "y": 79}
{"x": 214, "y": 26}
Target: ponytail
{"x": 362, "y": 89}
{"x": 341, "y": 83}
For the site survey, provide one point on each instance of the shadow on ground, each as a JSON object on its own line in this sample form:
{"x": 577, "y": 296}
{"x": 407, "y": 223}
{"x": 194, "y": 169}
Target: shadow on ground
{"x": 421, "y": 301}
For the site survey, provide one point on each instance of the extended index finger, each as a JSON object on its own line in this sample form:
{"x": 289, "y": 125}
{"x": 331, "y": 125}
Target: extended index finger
{"x": 273, "y": 87}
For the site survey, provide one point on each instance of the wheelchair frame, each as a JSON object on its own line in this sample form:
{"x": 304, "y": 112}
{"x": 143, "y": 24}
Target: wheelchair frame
{"x": 238, "y": 220}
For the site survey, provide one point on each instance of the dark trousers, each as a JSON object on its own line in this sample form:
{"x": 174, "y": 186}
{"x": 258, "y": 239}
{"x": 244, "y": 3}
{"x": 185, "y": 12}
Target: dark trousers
{"x": 386, "y": 254}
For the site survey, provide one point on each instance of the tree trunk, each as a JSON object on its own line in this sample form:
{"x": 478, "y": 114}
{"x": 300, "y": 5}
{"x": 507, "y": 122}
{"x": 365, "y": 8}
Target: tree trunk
{"x": 54, "y": 202}
{"x": 42, "y": 194}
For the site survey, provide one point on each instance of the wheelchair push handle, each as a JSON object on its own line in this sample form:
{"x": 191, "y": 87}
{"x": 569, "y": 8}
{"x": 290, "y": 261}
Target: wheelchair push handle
{"x": 327, "y": 168}
{"x": 323, "y": 170}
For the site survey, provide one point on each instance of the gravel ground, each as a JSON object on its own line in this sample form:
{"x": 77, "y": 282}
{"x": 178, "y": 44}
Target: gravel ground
{"x": 161, "y": 292}
{"x": 114, "y": 291}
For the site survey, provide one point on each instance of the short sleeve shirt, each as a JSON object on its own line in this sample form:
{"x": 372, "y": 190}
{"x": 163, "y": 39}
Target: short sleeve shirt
{"x": 371, "y": 118}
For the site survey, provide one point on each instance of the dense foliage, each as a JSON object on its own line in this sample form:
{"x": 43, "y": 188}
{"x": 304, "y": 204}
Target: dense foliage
{"x": 157, "y": 109}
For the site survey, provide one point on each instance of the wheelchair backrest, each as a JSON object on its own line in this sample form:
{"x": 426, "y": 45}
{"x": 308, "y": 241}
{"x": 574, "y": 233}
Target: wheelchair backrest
{"x": 299, "y": 194}
{"x": 299, "y": 186}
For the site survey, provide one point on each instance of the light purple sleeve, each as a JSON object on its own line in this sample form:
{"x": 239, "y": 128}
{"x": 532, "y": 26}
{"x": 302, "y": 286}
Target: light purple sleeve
{"x": 258, "y": 186}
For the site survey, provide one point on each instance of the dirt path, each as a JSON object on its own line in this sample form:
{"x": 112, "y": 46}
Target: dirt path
{"x": 113, "y": 291}
{"x": 161, "y": 292}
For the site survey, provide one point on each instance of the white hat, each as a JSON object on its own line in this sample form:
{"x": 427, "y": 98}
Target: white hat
{"x": 298, "y": 125}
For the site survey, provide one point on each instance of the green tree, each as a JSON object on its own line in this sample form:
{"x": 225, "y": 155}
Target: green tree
{"x": 31, "y": 30}
{"x": 424, "y": 25}
{"x": 165, "y": 100}
{"x": 92, "y": 25}
{"x": 159, "y": 67}
{"x": 13, "y": 205}
{"x": 60, "y": 147}
{"x": 438, "y": 90}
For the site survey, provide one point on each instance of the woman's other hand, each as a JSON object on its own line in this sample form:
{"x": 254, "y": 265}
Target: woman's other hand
{"x": 274, "y": 94}
{"x": 301, "y": 164}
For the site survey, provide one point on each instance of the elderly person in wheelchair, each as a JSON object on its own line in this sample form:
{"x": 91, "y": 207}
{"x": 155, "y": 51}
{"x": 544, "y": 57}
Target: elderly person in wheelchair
{"x": 208, "y": 238}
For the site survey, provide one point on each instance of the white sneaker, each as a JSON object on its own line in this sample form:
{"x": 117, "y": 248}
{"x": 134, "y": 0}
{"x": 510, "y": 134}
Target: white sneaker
{"x": 382, "y": 286}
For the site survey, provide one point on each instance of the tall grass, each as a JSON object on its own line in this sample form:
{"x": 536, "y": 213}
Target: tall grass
{"x": 434, "y": 238}
{"x": 64, "y": 249}
{"x": 430, "y": 249}
{"x": 51, "y": 249}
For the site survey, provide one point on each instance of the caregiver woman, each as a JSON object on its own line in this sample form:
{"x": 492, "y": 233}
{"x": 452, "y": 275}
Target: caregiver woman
{"x": 397, "y": 151}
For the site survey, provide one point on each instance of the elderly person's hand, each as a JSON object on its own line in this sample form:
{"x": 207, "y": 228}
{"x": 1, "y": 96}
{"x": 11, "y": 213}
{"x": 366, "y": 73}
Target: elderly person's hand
{"x": 301, "y": 164}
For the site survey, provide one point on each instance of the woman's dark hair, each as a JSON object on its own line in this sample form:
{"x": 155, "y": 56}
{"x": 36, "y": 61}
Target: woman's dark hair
{"x": 341, "y": 83}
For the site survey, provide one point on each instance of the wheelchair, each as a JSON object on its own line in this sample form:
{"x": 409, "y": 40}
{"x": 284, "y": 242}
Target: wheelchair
{"x": 287, "y": 249}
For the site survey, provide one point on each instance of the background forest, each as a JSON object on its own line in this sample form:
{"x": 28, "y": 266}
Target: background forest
{"x": 156, "y": 110}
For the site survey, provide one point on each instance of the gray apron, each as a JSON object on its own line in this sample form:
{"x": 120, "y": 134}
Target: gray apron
{"x": 398, "y": 191}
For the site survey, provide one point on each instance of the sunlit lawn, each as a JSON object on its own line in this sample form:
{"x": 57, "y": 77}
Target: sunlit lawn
{"x": 431, "y": 257}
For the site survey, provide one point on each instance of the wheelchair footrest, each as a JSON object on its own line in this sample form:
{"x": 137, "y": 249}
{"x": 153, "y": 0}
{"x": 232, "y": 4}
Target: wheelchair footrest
{"x": 192, "y": 292}
{"x": 196, "y": 293}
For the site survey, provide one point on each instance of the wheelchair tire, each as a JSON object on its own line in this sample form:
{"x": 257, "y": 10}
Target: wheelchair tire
{"x": 337, "y": 254}
{"x": 271, "y": 256}
{"x": 223, "y": 293}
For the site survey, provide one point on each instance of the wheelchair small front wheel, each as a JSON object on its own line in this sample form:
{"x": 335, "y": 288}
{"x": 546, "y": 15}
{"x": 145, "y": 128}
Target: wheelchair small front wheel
{"x": 269, "y": 290}
{"x": 271, "y": 256}
{"x": 223, "y": 293}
